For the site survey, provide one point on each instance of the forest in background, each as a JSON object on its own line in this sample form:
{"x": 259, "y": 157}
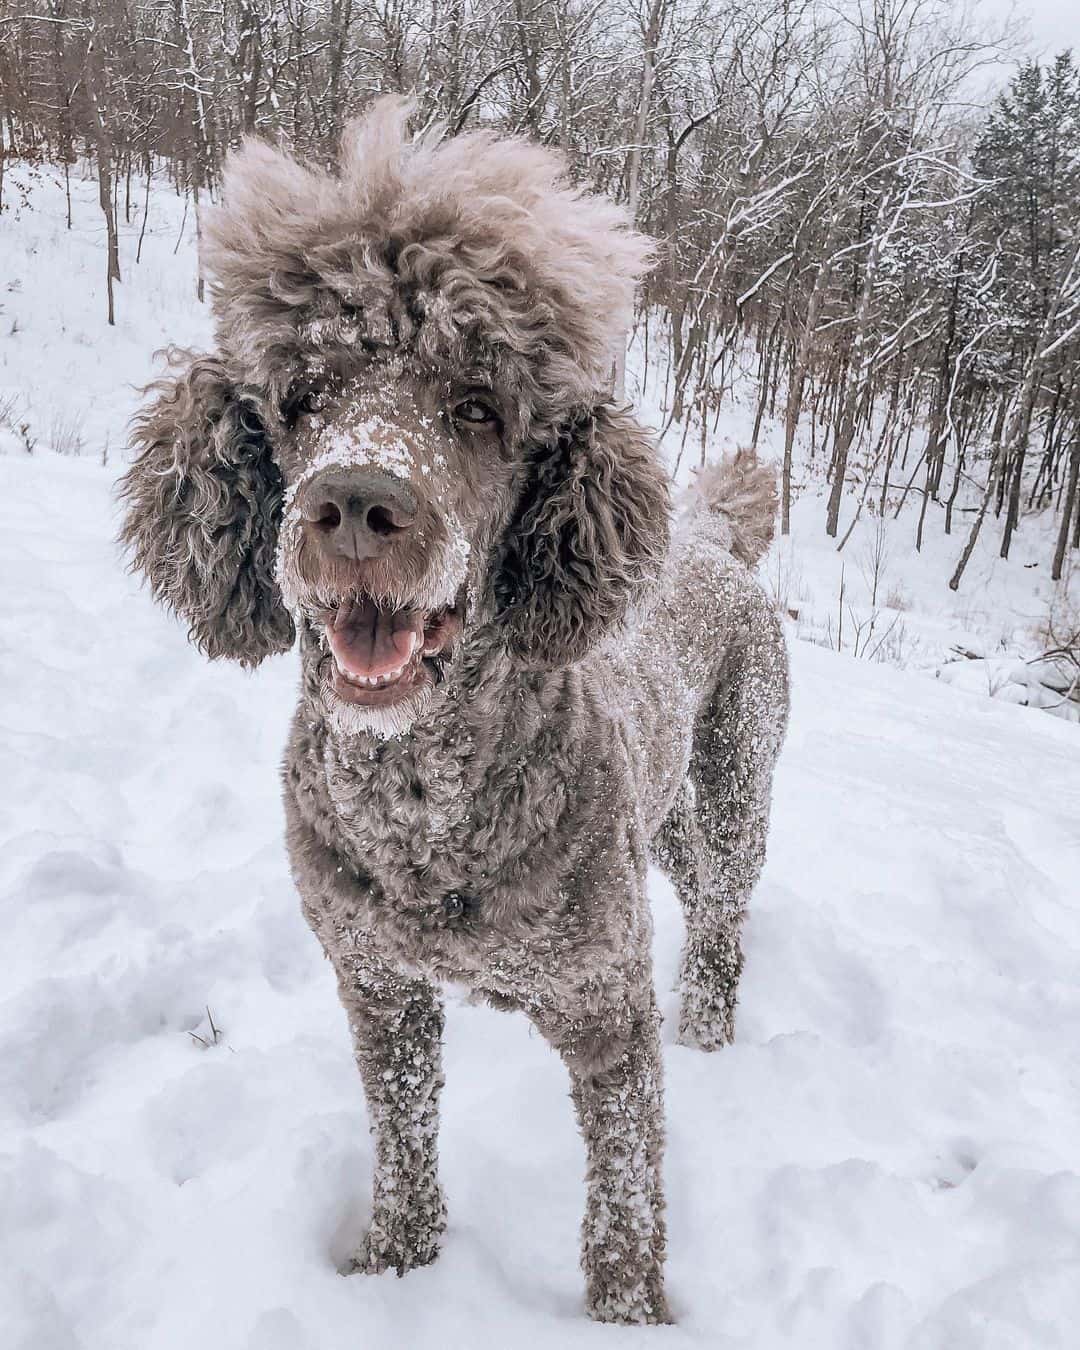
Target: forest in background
{"x": 896, "y": 255}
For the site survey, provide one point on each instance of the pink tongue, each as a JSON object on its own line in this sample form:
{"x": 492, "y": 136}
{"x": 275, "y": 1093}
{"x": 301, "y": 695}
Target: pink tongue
{"x": 368, "y": 641}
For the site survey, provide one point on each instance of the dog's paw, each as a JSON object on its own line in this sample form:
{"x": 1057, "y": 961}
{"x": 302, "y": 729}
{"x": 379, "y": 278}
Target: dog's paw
{"x": 706, "y": 1027}
{"x": 401, "y": 1241}
{"x": 377, "y": 1254}
{"x": 705, "y": 1038}
{"x": 629, "y": 1308}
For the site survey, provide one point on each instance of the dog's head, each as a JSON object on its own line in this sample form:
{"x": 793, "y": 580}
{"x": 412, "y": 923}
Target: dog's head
{"x": 404, "y": 436}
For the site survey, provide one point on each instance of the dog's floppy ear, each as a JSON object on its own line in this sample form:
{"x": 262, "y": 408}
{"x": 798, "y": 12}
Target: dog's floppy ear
{"x": 203, "y": 502}
{"x": 591, "y": 527}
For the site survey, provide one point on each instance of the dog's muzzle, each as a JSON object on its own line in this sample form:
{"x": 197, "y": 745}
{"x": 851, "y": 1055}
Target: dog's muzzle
{"x": 380, "y": 576}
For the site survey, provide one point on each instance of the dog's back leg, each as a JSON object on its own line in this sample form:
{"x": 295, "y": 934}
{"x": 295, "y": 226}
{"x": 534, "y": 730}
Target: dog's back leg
{"x": 713, "y": 841}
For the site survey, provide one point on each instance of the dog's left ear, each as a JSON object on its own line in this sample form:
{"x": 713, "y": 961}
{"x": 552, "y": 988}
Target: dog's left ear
{"x": 591, "y": 528}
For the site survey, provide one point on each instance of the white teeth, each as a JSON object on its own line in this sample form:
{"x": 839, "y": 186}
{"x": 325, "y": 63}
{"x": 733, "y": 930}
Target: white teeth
{"x": 372, "y": 681}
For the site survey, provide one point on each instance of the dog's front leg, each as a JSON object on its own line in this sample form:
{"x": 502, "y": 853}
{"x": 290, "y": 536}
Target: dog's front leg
{"x": 616, "y": 1085}
{"x": 396, "y": 1022}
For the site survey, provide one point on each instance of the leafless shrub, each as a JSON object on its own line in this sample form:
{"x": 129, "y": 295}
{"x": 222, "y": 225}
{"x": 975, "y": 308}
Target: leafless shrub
{"x": 11, "y": 419}
{"x": 1058, "y": 635}
{"x": 896, "y": 597}
{"x": 895, "y": 645}
{"x": 784, "y": 578}
{"x": 869, "y": 637}
{"x": 873, "y": 560}
{"x": 65, "y": 433}
{"x": 213, "y": 1035}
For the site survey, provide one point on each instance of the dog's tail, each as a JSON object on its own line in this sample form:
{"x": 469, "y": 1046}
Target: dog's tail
{"x": 741, "y": 492}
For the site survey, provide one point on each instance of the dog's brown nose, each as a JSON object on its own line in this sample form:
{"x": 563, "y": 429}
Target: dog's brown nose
{"x": 357, "y": 512}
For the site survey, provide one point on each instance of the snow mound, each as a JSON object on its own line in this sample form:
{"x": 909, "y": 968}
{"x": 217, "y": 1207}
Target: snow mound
{"x": 1052, "y": 684}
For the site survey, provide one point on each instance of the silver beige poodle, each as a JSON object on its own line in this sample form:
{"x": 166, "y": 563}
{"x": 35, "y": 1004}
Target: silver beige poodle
{"x": 518, "y": 681}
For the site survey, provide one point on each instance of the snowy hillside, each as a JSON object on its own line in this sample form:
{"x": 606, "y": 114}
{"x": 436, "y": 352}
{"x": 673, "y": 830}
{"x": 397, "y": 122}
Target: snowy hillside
{"x": 888, "y": 1158}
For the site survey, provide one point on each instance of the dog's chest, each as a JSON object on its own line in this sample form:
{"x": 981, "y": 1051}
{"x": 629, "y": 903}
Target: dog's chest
{"x": 409, "y": 815}
{"x": 451, "y": 840}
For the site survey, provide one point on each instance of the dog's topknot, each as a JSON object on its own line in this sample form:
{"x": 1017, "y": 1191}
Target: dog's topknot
{"x": 501, "y": 206}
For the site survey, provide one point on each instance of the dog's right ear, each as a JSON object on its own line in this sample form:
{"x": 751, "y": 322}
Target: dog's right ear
{"x": 203, "y": 502}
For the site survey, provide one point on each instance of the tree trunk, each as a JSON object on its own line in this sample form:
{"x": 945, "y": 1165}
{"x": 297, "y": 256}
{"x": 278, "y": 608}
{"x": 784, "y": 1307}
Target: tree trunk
{"x": 633, "y": 172}
{"x": 1071, "y": 505}
{"x": 1012, "y": 515}
{"x": 3, "y": 160}
{"x": 103, "y": 151}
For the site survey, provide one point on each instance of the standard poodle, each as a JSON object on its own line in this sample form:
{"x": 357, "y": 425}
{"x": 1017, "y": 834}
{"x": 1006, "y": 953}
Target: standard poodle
{"x": 518, "y": 682}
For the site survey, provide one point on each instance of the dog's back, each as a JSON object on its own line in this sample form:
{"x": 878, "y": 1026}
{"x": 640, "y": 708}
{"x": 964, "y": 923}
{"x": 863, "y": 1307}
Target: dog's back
{"x": 703, "y": 677}
{"x": 705, "y": 613}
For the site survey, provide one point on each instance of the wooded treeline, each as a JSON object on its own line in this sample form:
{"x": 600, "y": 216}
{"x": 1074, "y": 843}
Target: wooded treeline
{"x": 897, "y": 261}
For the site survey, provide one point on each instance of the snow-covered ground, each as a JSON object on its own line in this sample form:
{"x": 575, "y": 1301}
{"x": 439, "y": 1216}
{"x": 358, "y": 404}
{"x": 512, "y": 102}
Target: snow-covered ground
{"x": 889, "y": 1157}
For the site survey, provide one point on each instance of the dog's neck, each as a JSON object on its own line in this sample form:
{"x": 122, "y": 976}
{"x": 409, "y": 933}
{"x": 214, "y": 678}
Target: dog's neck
{"x": 431, "y": 789}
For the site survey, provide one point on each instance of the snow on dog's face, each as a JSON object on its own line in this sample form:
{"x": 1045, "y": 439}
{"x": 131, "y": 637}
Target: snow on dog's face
{"x": 394, "y": 486}
{"x": 404, "y": 435}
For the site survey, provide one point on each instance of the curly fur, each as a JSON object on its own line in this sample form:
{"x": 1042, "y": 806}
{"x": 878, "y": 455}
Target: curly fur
{"x": 743, "y": 493}
{"x": 203, "y": 504}
{"x": 615, "y": 690}
{"x": 590, "y": 528}
{"x": 490, "y": 225}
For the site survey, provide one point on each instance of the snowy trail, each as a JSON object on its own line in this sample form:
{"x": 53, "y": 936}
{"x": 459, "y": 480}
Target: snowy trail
{"x": 890, "y": 1156}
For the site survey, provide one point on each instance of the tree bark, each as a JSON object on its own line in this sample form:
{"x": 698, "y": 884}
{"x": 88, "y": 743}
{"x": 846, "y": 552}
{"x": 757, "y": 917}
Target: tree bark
{"x": 1071, "y": 505}
{"x": 633, "y": 171}
{"x": 103, "y": 152}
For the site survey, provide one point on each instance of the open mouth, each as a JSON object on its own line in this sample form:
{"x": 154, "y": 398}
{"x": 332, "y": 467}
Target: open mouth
{"x": 380, "y": 654}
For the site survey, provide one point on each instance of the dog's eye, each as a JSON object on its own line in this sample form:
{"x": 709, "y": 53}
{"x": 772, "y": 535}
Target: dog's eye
{"x": 474, "y": 411}
{"x": 312, "y": 402}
